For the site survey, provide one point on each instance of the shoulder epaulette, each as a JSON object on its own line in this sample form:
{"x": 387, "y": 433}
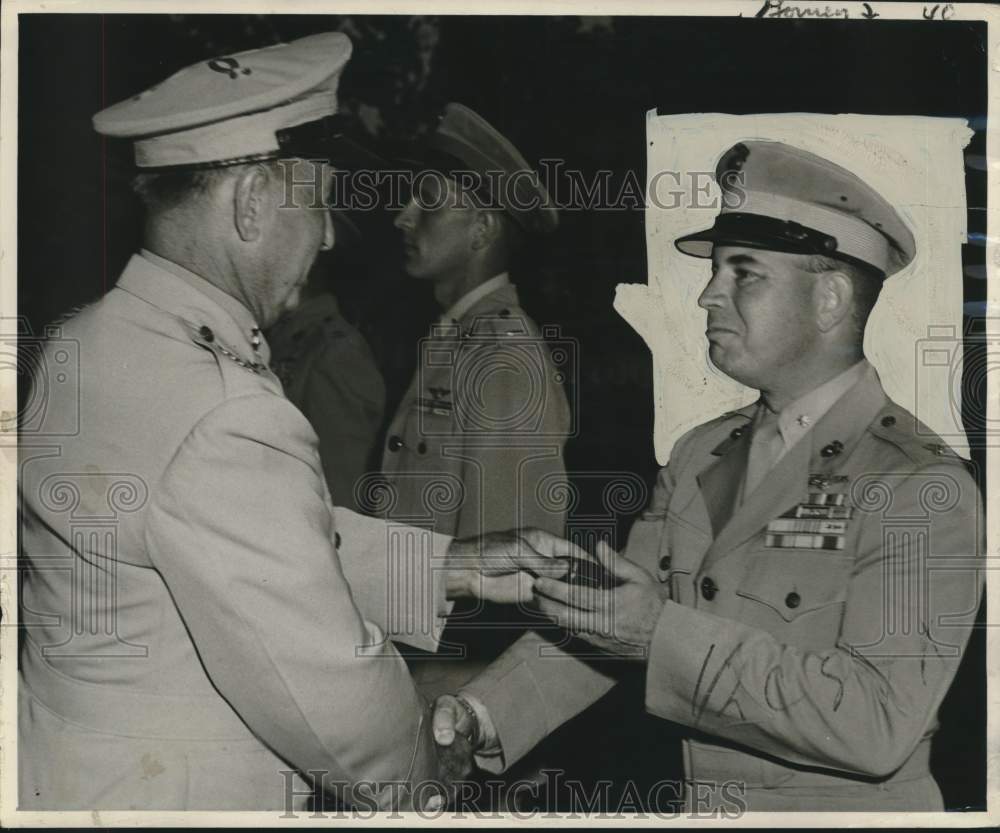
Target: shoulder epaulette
{"x": 204, "y": 337}
{"x": 914, "y": 439}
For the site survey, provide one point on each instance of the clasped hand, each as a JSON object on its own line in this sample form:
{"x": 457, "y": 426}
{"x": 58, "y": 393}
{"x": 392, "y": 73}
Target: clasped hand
{"x": 620, "y": 620}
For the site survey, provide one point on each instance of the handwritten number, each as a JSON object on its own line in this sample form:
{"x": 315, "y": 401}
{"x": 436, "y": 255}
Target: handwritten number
{"x": 947, "y": 11}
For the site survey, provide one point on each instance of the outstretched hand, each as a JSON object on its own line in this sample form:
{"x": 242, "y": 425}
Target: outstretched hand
{"x": 502, "y": 566}
{"x": 621, "y": 620}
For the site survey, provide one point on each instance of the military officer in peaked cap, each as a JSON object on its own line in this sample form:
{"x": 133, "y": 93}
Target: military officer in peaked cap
{"x": 478, "y": 438}
{"x": 486, "y": 407}
{"x": 202, "y": 627}
{"x": 802, "y": 586}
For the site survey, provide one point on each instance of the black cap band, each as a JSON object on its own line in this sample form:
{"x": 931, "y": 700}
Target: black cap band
{"x": 760, "y": 232}
{"x": 331, "y": 138}
{"x": 756, "y": 231}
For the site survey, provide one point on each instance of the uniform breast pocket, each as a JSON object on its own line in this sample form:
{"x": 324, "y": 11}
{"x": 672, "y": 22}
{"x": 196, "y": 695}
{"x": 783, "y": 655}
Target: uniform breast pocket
{"x": 414, "y": 442}
{"x": 430, "y": 426}
{"x": 796, "y": 595}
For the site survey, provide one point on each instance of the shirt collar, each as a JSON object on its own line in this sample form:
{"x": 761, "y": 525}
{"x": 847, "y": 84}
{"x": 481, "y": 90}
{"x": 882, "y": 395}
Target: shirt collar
{"x": 237, "y": 311}
{"x": 797, "y": 418}
{"x": 469, "y": 299}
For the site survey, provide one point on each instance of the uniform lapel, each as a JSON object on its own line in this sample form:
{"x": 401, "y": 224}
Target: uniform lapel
{"x": 720, "y": 481}
{"x": 452, "y": 332}
{"x": 780, "y": 488}
{"x": 823, "y": 450}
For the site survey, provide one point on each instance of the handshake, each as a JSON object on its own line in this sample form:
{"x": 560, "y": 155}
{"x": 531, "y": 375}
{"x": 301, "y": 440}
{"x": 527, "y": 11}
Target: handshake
{"x": 609, "y": 602}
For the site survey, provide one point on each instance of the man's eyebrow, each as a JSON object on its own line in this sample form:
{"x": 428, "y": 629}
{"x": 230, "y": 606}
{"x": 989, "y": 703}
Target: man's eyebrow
{"x": 742, "y": 260}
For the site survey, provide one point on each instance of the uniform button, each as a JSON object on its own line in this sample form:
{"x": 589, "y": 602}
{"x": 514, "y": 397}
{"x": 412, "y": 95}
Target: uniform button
{"x": 665, "y": 563}
{"x": 736, "y": 433}
{"x": 888, "y": 422}
{"x": 793, "y": 600}
{"x": 336, "y": 540}
{"x": 395, "y": 443}
{"x": 832, "y": 450}
{"x": 708, "y": 589}
{"x": 206, "y": 333}
{"x": 422, "y": 447}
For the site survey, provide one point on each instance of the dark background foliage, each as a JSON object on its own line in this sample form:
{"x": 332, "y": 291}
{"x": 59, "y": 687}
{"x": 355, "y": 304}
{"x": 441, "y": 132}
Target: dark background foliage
{"x": 571, "y": 88}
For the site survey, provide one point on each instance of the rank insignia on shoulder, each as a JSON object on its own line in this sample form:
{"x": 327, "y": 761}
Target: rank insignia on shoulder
{"x": 940, "y": 449}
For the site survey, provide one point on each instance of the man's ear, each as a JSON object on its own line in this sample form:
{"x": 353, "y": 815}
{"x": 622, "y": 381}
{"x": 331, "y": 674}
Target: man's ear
{"x": 250, "y": 201}
{"x": 486, "y": 229}
{"x": 834, "y": 299}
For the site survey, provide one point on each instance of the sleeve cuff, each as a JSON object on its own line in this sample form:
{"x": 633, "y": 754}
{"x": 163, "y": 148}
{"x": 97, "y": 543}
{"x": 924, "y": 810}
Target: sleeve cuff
{"x": 398, "y": 576}
{"x": 516, "y": 711}
{"x": 683, "y": 645}
{"x": 417, "y": 561}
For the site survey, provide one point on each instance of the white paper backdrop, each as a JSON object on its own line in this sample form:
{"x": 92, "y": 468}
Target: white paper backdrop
{"x": 914, "y": 333}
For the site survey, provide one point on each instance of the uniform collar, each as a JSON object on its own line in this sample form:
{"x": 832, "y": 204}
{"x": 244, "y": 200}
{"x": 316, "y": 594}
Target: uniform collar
{"x": 457, "y": 310}
{"x": 178, "y": 291}
{"x": 826, "y": 450}
{"x": 799, "y": 417}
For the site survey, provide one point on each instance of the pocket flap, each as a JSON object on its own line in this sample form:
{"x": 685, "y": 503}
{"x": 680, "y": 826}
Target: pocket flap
{"x": 796, "y": 582}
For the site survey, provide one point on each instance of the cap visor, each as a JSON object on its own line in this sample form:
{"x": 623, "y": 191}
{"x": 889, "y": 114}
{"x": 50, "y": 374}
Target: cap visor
{"x": 698, "y": 244}
{"x": 701, "y": 243}
{"x": 348, "y": 154}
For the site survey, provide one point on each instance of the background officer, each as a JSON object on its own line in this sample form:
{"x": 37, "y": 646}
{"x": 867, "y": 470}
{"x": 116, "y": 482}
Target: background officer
{"x": 478, "y": 437}
{"x": 486, "y": 412}
{"x": 803, "y": 584}
{"x": 200, "y": 623}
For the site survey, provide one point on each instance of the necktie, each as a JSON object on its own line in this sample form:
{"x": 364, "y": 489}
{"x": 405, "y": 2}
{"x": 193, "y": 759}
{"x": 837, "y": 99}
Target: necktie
{"x": 765, "y": 449}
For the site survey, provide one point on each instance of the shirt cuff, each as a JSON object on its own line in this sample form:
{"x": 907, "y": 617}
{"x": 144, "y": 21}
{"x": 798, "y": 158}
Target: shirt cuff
{"x": 489, "y": 739}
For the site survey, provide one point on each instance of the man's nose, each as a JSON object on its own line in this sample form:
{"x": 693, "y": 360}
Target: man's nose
{"x": 714, "y": 294}
{"x": 404, "y": 220}
{"x": 329, "y": 235}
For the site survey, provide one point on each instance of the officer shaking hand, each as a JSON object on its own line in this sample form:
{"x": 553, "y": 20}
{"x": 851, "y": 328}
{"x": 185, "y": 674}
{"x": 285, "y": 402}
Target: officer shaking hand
{"x": 804, "y": 582}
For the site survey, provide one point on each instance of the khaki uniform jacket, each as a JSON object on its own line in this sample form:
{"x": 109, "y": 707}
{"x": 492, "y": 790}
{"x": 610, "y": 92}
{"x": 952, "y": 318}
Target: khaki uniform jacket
{"x": 476, "y": 444}
{"x": 329, "y": 373}
{"x": 199, "y": 621}
{"x": 812, "y": 632}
